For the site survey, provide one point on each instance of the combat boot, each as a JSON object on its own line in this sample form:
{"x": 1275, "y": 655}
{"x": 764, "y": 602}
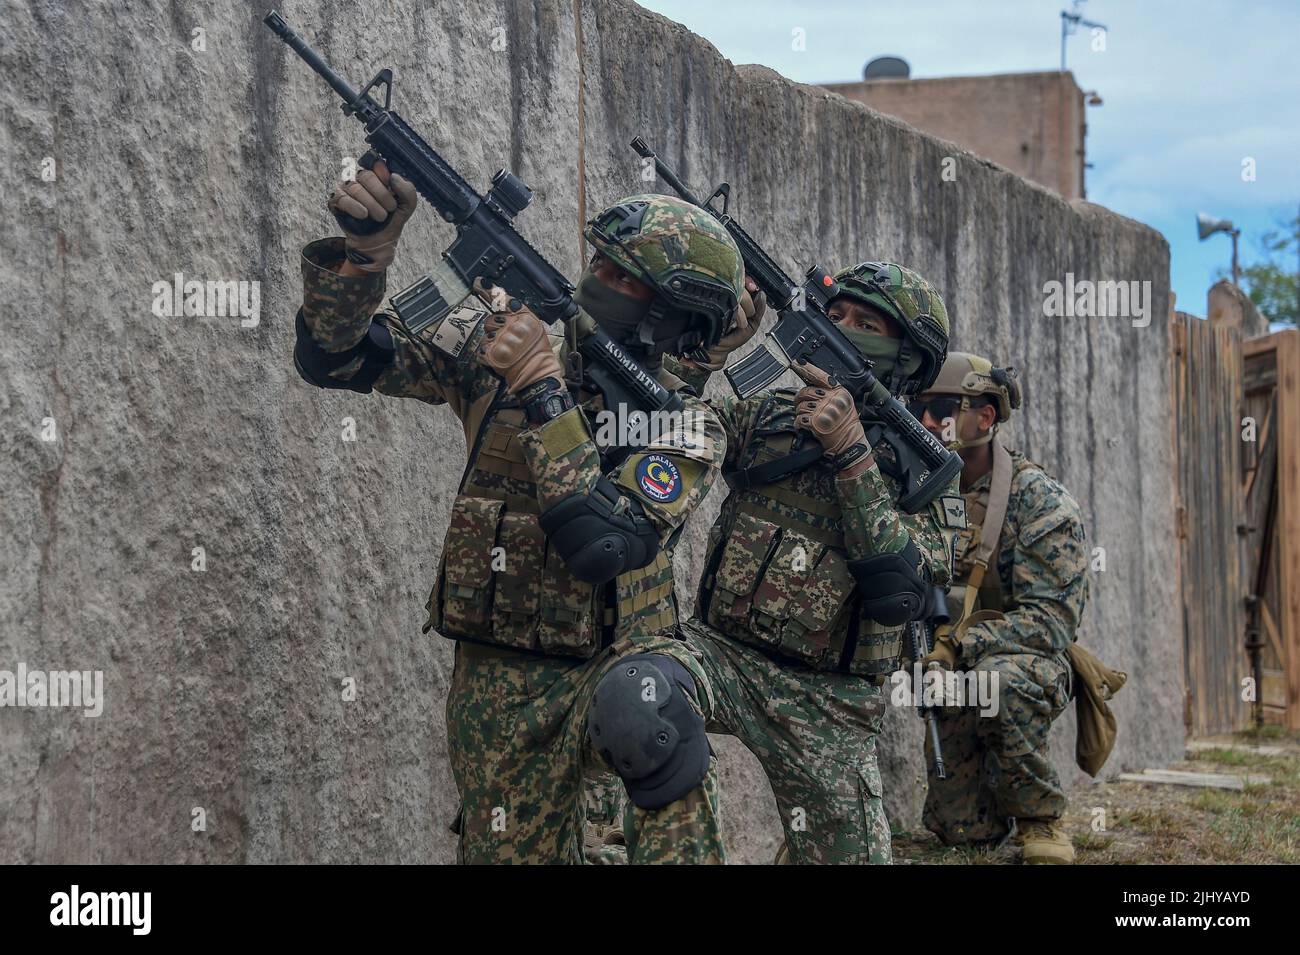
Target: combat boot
{"x": 1045, "y": 842}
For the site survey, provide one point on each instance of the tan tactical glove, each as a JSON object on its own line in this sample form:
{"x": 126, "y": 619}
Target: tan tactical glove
{"x": 944, "y": 654}
{"x": 749, "y": 315}
{"x": 375, "y": 196}
{"x": 515, "y": 344}
{"x": 827, "y": 413}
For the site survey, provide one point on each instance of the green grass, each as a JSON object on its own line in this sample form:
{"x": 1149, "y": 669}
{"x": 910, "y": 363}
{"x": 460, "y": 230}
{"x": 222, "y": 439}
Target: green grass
{"x": 1265, "y": 732}
{"x": 1225, "y": 757}
{"x": 1093, "y": 842}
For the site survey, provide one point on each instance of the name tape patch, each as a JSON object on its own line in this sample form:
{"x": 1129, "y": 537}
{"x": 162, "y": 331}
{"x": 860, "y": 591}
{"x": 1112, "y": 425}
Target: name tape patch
{"x": 658, "y": 478}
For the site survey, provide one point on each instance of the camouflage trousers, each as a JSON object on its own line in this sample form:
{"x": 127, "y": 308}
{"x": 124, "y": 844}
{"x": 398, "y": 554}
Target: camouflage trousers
{"x": 517, "y": 736}
{"x": 605, "y": 841}
{"x": 998, "y": 766}
{"x": 815, "y": 734}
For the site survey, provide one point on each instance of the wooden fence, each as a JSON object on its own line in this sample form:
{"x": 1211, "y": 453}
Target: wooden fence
{"x": 1237, "y": 431}
{"x": 1271, "y": 490}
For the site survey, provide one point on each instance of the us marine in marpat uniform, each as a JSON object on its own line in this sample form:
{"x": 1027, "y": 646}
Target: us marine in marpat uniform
{"x": 1021, "y": 585}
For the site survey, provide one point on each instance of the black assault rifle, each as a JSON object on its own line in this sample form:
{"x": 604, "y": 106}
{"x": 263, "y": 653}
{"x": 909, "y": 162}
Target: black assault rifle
{"x": 922, "y": 634}
{"x": 486, "y": 247}
{"x": 805, "y": 333}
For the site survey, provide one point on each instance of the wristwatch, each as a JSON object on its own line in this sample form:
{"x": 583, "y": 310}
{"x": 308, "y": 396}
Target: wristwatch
{"x": 545, "y": 400}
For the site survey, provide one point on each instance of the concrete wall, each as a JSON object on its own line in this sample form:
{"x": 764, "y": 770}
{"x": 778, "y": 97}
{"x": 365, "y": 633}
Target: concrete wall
{"x": 224, "y": 687}
{"x": 1032, "y": 123}
{"x": 1226, "y": 304}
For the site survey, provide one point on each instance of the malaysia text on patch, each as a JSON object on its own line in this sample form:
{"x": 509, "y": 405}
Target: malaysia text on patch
{"x": 658, "y": 478}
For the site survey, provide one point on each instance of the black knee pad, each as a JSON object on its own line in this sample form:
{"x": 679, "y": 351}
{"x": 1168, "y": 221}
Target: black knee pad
{"x": 643, "y": 724}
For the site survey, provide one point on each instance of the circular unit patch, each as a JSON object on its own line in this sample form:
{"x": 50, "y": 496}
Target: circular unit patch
{"x": 659, "y": 478}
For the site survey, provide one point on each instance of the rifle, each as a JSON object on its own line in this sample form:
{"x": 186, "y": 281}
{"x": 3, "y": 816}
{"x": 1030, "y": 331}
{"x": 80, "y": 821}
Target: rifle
{"x": 922, "y": 634}
{"x": 486, "y": 246}
{"x": 805, "y": 333}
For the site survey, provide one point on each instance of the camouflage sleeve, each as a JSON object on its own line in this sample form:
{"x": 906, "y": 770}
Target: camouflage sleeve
{"x": 674, "y": 472}
{"x": 689, "y": 372}
{"x": 874, "y": 525}
{"x": 736, "y": 417}
{"x": 338, "y": 311}
{"x": 1048, "y": 575}
{"x": 669, "y": 477}
{"x": 562, "y": 457}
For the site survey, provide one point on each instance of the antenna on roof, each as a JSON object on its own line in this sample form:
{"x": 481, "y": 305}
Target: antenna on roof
{"x": 1071, "y": 20}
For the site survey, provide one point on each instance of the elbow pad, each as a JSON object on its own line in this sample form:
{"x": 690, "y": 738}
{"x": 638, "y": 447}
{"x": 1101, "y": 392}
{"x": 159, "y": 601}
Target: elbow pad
{"x": 595, "y": 543}
{"x": 892, "y": 591}
{"x": 315, "y": 364}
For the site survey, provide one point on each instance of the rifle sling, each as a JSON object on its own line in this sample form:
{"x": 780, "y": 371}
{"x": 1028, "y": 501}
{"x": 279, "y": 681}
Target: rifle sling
{"x": 769, "y": 472}
{"x": 990, "y": 534}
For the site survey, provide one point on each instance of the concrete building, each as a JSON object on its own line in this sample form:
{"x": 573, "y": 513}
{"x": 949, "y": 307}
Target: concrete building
{"x": 1032, "y": 123}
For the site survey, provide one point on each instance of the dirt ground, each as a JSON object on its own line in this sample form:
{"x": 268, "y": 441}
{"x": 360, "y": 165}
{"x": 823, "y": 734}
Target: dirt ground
{"x": 1124, "y": 823}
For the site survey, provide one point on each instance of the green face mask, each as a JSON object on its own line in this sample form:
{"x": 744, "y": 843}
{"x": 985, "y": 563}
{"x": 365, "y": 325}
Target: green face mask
{"x": 617, "y": 314}
{"x": 883, "y": 352}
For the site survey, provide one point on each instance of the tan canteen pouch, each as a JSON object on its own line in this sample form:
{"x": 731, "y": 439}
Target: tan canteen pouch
{"x": 1095, "y": 683}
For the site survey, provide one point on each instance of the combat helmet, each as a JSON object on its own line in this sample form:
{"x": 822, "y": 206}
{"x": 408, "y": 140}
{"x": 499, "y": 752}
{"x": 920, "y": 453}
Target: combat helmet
{"x": 685, "y": 256}
{"x": 915, "y": 304}
{"x": 972, "y": 376}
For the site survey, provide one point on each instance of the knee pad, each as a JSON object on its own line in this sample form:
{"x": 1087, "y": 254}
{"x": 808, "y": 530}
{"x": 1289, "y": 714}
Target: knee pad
{"x": 595, "y": 543}
{"x": 643, "y": 725}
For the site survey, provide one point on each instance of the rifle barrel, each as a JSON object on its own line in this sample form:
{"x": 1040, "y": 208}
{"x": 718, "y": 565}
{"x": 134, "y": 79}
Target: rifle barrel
{"x": 312, "y": 58}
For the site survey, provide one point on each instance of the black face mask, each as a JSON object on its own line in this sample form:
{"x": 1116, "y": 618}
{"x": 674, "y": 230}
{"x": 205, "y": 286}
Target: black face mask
{"x": 617, "y": 314}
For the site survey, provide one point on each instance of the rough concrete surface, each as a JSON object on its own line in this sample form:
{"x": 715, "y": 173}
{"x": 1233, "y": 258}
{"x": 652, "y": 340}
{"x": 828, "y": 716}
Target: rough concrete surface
{"x": 224, "y": 688}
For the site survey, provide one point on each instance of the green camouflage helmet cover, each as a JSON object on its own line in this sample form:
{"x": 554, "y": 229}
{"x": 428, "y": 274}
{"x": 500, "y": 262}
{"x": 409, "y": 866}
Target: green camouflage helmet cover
{"x": 680, "y": 251}
{"x": 911, "y": 301}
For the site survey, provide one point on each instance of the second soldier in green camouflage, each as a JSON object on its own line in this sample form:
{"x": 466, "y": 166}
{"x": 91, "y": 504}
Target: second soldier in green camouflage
{"x": 808, "y": 577}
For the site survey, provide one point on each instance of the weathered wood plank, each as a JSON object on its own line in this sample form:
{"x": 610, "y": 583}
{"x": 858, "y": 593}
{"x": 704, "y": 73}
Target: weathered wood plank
{"x": 1205, "y": 745}
{"x": 1175, "y": 777}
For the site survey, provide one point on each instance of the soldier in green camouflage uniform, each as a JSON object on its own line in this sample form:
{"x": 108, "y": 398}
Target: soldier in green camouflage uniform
{"x": 810, "y": 578}
{"x": 1020, "y": 616}
{"x": 556, "y": 571}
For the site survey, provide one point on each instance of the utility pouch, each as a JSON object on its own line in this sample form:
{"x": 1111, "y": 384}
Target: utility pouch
{"x": 568, "y": 625}
{"x": 784, "y": 577}
{"x": 466, "y": 582}
{"x": 745, "y": 553}
{"x": 518, "y": 581}
{"x": 815, "y": 610}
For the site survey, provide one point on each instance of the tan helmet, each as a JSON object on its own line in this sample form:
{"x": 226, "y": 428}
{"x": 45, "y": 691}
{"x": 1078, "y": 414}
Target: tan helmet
{"x": 972, "y": 376}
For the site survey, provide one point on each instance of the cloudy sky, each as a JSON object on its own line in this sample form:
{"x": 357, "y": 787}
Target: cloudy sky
{"x": 1190, "y": 90}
